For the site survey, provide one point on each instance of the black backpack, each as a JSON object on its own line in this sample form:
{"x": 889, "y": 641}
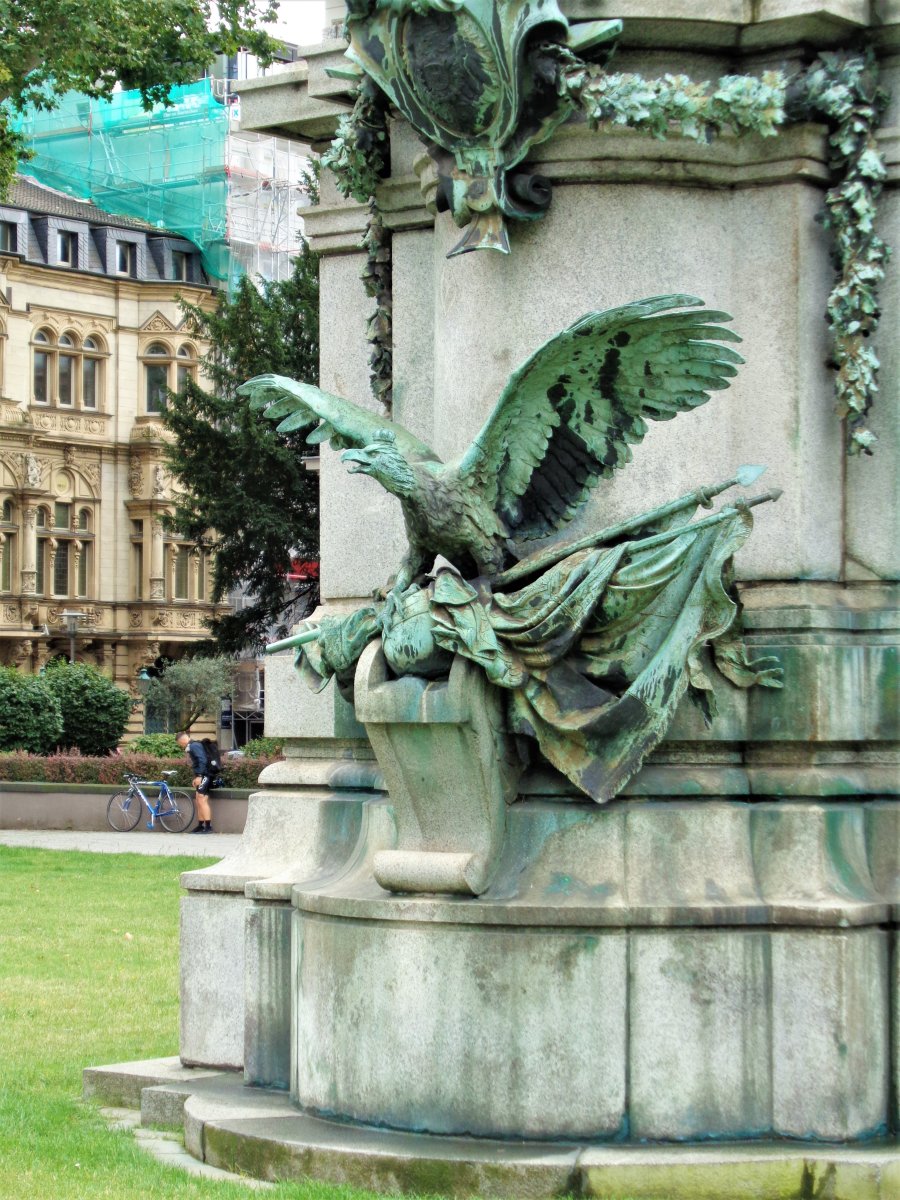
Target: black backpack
{"x": 213, "y": 756}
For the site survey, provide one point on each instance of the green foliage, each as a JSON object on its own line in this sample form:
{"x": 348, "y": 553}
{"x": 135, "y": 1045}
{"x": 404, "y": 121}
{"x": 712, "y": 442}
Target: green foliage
{"x": 241, "y": 478}
{"x": 48, "y": 47}
{"x": 94, "y": 711}
{"x": 358, "y": 154}
{"x": 843, "y": 89}
{"x": 674, "y": 103}
{"x": 21, "y": 767}
{"x": 358, "y": 158}
{"x": 30, "y": 714}
{"x": 190, "y": 688}
{"x": 263, "y": 747}
{"x": 158, "y": 745}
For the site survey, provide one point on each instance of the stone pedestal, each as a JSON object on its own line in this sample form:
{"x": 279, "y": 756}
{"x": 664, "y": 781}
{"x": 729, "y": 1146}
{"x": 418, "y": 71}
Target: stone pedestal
{"x": 736, "y": 986}
{"x": 714, "y": 954}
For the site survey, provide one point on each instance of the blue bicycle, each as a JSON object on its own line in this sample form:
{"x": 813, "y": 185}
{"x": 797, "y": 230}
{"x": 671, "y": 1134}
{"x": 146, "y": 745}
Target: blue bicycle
{"x": 173, "y": 809}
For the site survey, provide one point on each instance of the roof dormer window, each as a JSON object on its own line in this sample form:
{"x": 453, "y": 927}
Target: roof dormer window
{"x": 66, "y": 248}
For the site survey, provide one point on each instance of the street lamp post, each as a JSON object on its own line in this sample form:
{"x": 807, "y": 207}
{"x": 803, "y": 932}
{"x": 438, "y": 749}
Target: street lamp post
{"x": 71, "y": 619}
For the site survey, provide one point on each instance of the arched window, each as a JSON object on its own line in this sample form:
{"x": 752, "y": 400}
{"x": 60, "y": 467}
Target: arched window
{"x": 66, "y": 372}
{"x": 8, "y": 530}
{"x": 91, "y": 372}
{"x": 187, "y": 367}
{"x": 84, "y": 520}
{"x": 43, "y": 360}
{"x": 158, "y": 360}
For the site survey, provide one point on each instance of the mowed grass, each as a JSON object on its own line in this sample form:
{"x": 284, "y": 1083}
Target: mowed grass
{"x": 89, "y": 975}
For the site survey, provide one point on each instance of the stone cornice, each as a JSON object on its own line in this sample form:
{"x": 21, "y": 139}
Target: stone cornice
{"x": 305, "y": 104}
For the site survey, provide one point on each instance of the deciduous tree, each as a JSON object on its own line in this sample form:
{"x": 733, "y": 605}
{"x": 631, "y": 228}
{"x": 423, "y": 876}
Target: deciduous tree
{"x": 48, "y": 47}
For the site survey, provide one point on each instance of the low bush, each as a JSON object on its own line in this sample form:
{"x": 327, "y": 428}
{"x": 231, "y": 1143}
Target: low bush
{"x": 159, "y": 745}
{"x": 94, "y": 711}
{"x": 263, "y": 747}
{"x": 19, "y": 767}
{"x": 30, "y": 714}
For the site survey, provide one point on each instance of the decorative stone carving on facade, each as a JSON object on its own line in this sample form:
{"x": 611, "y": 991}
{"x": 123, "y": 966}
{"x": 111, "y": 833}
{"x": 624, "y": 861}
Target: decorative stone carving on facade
{"x": 44, "y": 420}
{"x": 186, "y": 620}
{"x": 29, "y": 582}
{"x": 135, "y": 477}
{"x": 69, "y": 454}
{"x": 20, "y": 652}
{"x": 59, "y": 319}
{"x": 135, "y": 618}
{"x": 147, "y": 655}
{"x": 30, "y": 515}
{"x": 91, "y": 616}
{"x": 159, "y": 482}
{"x": 163, "y": 619}
{"x": 12, "y": 414}
{"x": 32, "y": 470}
{"x": 158, "y": 323}
{"x": 157, "y": 589}
{"x": 10, "y": 614}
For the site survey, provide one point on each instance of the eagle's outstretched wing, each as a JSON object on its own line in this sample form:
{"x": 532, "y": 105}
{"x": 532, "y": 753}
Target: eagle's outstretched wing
{"x": 344, "y": 424}
{"x": 569, "y": 414}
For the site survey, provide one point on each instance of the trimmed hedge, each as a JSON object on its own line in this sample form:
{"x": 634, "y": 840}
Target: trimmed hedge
{"x": 19, "y": 767}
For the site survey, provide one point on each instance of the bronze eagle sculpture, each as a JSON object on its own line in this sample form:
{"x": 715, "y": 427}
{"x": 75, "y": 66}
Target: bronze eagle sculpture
{"x": 566, "y": 419}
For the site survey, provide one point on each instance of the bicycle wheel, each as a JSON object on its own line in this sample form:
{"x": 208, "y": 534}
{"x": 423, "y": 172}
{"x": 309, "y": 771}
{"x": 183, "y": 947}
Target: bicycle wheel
{"x": 178, "y": 812}
{"x": 124, "y": 811}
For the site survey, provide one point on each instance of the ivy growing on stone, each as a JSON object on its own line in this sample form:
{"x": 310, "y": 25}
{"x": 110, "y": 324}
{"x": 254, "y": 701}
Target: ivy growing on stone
{"x": 843, "y": 89}
{"x": 358, "y": 158}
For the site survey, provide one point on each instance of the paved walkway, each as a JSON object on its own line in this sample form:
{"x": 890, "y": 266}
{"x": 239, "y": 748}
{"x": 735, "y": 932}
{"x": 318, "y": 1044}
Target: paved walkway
{"x": 208, "y": 845}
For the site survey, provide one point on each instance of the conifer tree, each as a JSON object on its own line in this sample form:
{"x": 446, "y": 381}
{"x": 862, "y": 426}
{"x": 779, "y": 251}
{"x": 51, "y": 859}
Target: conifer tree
{"x": 247, "y": 492}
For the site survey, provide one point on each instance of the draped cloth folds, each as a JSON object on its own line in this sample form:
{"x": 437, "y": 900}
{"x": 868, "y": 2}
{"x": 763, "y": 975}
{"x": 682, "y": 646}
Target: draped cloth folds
{"x": 595, "y": 653}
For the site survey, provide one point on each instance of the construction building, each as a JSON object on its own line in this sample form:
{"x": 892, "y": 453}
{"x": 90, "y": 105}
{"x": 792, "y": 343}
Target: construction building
{"x": 186, "y": 167}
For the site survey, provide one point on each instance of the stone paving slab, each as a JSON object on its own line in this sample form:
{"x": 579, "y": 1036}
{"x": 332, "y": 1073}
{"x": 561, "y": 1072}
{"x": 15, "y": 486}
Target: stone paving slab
{"x": 167, "y": 1148}
{"x": 157, "y": 841}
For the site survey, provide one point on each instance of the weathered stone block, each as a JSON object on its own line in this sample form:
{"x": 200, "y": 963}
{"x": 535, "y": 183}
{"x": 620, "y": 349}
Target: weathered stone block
{"x": 830, "y": 1014}
{"x": 699, "y": 1034}
{"x": 212, "y": 979}
{"x": 267, "y": 995}
{"x": 450, "y": 1029}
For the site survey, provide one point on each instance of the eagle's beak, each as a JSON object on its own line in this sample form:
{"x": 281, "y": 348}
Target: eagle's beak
{"x": 360, "y": 458}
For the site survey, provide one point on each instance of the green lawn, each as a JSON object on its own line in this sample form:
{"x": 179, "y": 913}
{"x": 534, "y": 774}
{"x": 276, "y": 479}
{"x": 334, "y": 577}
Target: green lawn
{"x": 89, "y": 975}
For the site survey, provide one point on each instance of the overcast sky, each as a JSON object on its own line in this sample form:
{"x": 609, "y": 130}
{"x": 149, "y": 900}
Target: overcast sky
{"x": 299, "y": 21}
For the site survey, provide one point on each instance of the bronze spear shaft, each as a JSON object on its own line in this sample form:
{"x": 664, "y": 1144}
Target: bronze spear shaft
{"x": 537, "y": 562}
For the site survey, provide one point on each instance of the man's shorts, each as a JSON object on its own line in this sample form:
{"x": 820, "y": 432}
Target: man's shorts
{"x": 204, "y": 785}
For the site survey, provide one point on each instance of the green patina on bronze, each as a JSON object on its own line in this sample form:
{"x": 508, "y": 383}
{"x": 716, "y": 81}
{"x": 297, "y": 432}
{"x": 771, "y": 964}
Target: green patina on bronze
{"x": 595, "y": 640}
{"x": 483, "y": 82}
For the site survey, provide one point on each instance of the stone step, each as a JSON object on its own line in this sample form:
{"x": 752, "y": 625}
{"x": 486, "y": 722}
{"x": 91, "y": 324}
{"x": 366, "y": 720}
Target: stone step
{"x": 258, "y": 1133}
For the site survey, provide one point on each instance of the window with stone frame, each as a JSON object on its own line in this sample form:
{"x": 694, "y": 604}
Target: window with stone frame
{"x": 8, "y": 539}
{"x": 65, "y": 551}
{"x": 165, "y": 371}
{"x": 66, "y": 248}
{"x": 67, "y": 371}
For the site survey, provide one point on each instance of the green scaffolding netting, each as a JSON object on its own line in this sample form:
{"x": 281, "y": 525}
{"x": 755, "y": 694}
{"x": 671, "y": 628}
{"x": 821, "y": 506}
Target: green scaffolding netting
{"x": 166, "y": 166}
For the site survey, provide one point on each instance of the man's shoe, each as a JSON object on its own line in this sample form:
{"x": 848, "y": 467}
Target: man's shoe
{"x": 199, "y": 829}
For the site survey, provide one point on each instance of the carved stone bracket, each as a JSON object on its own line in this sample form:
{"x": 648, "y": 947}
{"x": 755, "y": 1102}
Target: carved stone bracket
{"x": 450, "y": 771}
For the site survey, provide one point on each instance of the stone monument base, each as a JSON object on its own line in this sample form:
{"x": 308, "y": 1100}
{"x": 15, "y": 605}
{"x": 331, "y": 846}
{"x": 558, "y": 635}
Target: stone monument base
{"x": 257, "y": 1132}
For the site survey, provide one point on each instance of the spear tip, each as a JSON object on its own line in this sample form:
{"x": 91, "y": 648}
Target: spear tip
{"x": 749, "y": 473}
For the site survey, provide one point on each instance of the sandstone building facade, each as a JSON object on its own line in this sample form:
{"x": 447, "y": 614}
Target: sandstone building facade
{"x": 91, "y": 335}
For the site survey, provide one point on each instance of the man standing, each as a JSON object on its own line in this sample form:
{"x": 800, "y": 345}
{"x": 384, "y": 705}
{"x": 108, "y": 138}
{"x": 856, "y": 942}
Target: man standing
{"x": 201, "y": 781}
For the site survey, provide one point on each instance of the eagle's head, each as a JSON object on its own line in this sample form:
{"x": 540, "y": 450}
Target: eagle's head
{"x": 383, "y": 461}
